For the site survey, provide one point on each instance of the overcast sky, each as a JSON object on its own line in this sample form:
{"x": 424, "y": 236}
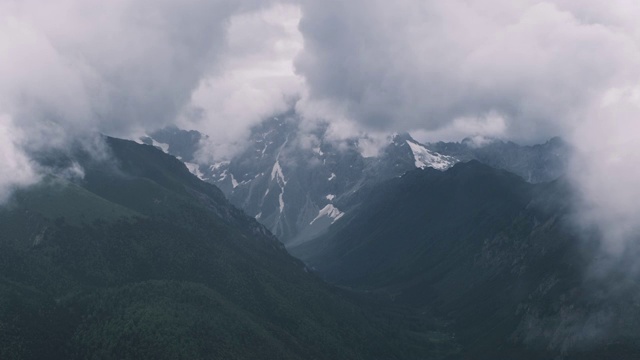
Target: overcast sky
{"x": 522, "y": 70}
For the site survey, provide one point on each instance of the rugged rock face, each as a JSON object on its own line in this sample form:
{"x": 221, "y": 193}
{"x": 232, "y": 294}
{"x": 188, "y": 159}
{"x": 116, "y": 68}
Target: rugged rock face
{"x": 298, "y": 182}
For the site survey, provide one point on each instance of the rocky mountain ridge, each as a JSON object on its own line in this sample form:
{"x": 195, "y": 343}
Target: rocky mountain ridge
{"x": 297, "y": 182}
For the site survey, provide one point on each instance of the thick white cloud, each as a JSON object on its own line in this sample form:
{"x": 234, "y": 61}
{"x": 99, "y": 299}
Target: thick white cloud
{"x": 17, "y": 169}
{"x": 75, "y": 66}
{"x": 523, "y": 70}
{"x": 254, "y": 78}
{"x": 70, "y": 69}
{"x": 427, "y": 64}
{"x": 606, "y": 168}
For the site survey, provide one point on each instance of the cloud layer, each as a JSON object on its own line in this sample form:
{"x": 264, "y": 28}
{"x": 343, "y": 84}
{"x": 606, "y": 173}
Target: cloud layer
{"x": 444, "y": 70}
{"x": 436, "y": 65}
{"x": 74, "y": 68}
{"x": 17, "y": 169}
{"x": 606, "y": 170}
{"x": 525, "y": 70}
{"x": 254, "y": 78}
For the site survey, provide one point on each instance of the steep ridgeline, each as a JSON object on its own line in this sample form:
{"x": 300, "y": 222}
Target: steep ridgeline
{"x": 133, "y": 257}
{"x": 298, "y": 183}
{"x": 491, "y": 253}
{"x": 535, "y": 163}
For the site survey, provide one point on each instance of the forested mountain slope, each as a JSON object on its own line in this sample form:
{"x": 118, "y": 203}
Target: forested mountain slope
{"x": 496, "y": 256}
{"x": 130, "y": 256}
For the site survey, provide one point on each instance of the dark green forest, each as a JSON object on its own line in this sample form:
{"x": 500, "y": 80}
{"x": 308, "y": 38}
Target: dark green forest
{"x": 140, "y": 259}
{"x": 497, "y": 257}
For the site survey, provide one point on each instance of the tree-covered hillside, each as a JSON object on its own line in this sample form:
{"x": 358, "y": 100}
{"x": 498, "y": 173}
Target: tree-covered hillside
{"x": 139, "y": 259}
{"x": 497, "y": 257}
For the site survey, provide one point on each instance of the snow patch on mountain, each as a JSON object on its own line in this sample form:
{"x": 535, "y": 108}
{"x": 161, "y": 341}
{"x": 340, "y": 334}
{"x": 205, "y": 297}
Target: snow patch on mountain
{"x": 164, "y": 147}
{"x": 195, "y": 170}
{"x": 278, "y": 176}
{"x": 329, "y": 211}
{"x": 425, "y": 158}
{"x": 223, "y": 175}
{"x": 234, "y": 182}
{"x": 219, "y": 165}
{"x": 276, "y": 173}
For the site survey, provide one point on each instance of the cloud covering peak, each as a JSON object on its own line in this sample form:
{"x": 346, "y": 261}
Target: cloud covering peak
{"x": 70, "y": 69}
{"x": 525, "y": 71}
{"x": 534, "y": 67}
{"x": 110, "y": 66}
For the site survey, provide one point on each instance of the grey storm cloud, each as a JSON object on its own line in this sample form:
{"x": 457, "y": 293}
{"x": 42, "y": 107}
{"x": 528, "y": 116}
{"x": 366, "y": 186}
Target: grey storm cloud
{"x": 70, "y": 69}
{"x": 425, "y": 64}
{"x": 524, "y": 70}
{"x": 109, "y": 65}
{"x": 521, "y": 70}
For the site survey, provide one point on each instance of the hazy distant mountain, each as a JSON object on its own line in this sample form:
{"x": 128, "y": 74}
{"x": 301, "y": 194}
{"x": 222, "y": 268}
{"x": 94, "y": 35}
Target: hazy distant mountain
{"x": 535, "y": 163}
{"x": 133, "y": 257}
{"x": 494, "y": 255}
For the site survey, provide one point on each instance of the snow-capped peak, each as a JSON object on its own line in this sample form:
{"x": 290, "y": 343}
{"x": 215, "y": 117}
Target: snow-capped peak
{"x": 425, "y": 158}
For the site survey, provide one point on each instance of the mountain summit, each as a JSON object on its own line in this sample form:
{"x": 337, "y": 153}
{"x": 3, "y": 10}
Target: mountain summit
{"x": 297, "y": 182}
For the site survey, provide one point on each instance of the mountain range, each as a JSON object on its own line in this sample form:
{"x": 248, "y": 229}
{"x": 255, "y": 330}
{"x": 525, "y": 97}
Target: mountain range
{"x": 498, "y": 258}
{"x": 476, "y": 236}
{"x": 127, "y": 255}
{"x": 451, "y": 251}
{"x": 297, "y": 182}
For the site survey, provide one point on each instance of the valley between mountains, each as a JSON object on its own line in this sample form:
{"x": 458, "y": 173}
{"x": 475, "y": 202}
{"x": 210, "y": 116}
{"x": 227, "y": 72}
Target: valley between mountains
{"x": 477, "y": 238}
{"x": 301, "y": 247}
